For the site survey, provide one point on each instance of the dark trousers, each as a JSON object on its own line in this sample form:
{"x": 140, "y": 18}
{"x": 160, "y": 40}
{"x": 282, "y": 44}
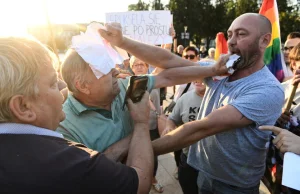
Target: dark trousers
{"x": 177, "y": 157}
{"x": 154, "y": 135}
{"x": 187, "y": 176}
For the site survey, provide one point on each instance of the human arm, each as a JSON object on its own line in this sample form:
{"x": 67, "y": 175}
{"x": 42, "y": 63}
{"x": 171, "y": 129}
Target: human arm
{"x": 285, "y": 141}
{"x": 222, "y": 119}
{"x": 252, "y": 106}
{"x": 170, "y": 126}
{"x": 140, "y": 153}
{"x": 153, "y": 55}
{"x": 119, "y": 150}
{"x": 285, "y": 116}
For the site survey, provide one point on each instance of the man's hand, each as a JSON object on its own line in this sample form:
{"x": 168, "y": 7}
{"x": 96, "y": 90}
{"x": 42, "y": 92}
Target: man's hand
{"x": 113, "y": 33}
{"x": 285, "y": 141}
{"x": 220, "y": 66}
{"x": 140, "y": 111}
{"x": 166, "y": 131}
{"x": 296, "y": 78}
{"x": 284, "y": 118}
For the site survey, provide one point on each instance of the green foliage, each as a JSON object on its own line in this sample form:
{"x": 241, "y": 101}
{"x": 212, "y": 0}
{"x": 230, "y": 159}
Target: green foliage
{"x": 140, "y": 6}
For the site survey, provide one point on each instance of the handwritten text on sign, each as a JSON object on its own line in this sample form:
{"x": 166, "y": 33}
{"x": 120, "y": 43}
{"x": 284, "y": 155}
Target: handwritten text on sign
{"x": 150, "y": 27}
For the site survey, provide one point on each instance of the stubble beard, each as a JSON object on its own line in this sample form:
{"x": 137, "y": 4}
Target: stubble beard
{"x": 250, "y": 57}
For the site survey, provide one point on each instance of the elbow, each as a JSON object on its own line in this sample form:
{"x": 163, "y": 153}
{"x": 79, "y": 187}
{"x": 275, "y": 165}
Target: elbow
{"x": 144, "y": 184}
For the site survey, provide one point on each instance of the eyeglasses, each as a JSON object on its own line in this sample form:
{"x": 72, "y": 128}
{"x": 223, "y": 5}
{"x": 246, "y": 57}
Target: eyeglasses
{"x": 287, "y": 48}
{"x": 190, "y": 56}
{"x": 139, "y": 65}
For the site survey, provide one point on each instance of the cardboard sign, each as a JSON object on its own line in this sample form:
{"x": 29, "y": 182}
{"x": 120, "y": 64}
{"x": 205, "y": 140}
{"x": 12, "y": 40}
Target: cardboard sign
{"x": 151, "y": 27}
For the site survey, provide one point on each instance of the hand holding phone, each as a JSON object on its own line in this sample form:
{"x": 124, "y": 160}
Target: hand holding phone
{"x": 136, "y": 89}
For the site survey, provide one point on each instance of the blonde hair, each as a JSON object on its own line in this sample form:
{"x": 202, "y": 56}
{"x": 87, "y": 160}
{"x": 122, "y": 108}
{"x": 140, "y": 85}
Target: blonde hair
{"x": 133, "y": 59}
{"x": 74, "y": 68}
{"x": 20, "y": 62}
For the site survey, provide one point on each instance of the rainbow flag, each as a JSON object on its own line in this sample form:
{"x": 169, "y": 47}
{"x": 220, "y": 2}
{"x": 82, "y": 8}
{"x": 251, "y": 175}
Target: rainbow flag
{"x": 272, "y": 57}
{"x": 221, "y": 45}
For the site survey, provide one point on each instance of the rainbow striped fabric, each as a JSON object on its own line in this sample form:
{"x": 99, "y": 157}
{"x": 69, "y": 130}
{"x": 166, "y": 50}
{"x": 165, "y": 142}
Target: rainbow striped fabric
{"x": 272, "y": 57}
{"x": 221, "y": 45}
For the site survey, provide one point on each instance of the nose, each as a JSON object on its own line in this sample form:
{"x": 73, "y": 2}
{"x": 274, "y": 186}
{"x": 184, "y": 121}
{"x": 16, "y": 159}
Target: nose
{"x": 231, "y": 41}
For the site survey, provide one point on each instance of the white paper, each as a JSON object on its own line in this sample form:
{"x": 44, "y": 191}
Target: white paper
{"x": 151, "y": 27}
{"x": 229, "y": 65}
{"x": 96, "y": 51}
{"x": 291, "y": 171}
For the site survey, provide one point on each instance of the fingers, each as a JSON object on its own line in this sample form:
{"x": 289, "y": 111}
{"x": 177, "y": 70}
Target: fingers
{"x": 113, "y": 27}
{"x": 145, "y": 98}
{"x": 275, "y": 130}
{"x": 296, "y": 79}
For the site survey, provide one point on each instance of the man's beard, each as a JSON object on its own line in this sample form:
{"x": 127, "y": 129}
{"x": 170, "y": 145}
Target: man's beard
{"x": 250, "y": 57}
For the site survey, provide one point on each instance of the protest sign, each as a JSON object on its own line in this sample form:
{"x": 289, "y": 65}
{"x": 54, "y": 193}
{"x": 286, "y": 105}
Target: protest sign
{"x": 151, "y": 27}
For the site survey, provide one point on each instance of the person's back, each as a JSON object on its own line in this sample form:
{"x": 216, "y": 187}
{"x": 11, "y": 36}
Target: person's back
{"x": 48, "y": 163}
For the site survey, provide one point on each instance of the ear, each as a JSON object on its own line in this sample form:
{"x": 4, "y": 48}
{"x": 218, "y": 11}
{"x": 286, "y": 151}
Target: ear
{"x": 82, "y": 87}
{"x": 265, "y": 40}
{"x": 22, "y": 109}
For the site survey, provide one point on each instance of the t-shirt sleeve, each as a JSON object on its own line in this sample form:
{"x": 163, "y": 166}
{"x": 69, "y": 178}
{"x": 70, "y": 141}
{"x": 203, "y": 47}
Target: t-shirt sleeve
{"x": 176, "y": 113}
{"x": 263, "y": 108}
{"x": 106, "y": 176}
{"x": 151, "y": 82}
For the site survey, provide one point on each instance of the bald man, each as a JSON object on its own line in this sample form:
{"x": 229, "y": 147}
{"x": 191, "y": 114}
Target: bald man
{"x": 227, "y": 148}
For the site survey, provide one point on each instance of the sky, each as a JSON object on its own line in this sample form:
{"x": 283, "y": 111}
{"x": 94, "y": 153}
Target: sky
{"x": 16, "y": 15}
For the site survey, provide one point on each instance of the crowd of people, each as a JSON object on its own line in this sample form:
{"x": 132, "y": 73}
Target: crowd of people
{"x": 82, "y": 139}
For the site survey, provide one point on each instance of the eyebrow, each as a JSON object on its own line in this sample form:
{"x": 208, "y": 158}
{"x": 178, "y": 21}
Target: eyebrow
{"x": 238, "y": 29}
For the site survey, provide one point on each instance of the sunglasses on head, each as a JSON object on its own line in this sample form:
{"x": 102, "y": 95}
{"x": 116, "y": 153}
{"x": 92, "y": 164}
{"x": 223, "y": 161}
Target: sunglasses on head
{"x": 190, "y": 56}
{"x": 288, "y": 48}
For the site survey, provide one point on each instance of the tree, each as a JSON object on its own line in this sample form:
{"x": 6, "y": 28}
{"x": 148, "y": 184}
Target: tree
{"x": 289, "y": 17}
{"x": 246, "y": 6}
{"x": 157, "y": 5}
{"x": 140, "y": 6}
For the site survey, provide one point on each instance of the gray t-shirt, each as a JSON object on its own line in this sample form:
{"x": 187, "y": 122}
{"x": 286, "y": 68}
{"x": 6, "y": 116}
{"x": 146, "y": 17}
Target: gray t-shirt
{"x": 155, "y": 99}
{"x": 237, "y": 156}
{"x": 186, "y": 110}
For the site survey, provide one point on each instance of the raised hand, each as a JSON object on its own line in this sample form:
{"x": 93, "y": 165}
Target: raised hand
{"x": 285, "y": 141}
{"x": 113, "y": 33}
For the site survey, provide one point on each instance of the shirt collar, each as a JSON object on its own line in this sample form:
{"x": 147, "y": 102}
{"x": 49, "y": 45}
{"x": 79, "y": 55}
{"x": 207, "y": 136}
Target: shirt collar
{"x": 75, "y": 105}
{"x": 16, "y": 128}
{"x": 78, "y": 107}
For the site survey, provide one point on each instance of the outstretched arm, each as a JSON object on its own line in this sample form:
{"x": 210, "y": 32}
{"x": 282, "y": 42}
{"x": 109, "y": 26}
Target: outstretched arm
{"x": 220, "y": 120}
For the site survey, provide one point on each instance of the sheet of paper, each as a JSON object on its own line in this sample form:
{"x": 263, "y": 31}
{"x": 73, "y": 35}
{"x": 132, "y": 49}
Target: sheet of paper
{"x": 291, "y": 171}
{"x": 96, "y": 51}
{"x": 151, "y": 27}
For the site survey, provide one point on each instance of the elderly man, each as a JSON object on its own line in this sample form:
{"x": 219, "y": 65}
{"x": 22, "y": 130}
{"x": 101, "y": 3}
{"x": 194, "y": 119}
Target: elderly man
{"x": 35, "y": 158}
{"x": 228, "y": 148}
{"x": 94, "y": 110}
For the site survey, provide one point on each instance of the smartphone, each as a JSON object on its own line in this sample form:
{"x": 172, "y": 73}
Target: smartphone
{"x": 136, "y": 89}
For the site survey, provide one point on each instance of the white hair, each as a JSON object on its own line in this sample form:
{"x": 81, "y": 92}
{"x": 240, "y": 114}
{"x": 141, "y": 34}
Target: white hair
{"x": 73, "y": 69}
{"x": 21, "y": 60}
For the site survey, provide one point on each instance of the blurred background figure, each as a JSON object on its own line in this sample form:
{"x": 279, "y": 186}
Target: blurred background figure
{"x": 180, "y": 49}
{"x": 203, "y": 52}
{"x": 211, "y": 53}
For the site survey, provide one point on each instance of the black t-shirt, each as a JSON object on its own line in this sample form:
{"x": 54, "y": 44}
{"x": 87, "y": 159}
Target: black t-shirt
{"x": 45, "y": 164}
